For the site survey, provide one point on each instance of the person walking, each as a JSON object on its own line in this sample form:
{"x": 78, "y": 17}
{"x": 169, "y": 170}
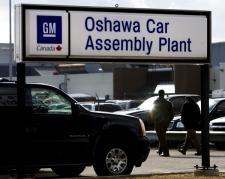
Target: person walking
{"x": 190, "y": 116}
{"x": 162, "y": 113}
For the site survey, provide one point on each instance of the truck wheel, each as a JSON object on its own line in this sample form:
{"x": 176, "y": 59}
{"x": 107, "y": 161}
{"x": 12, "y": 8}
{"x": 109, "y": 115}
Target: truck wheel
{"x": 68, "y": 171}
{"x": 113, "y": 159}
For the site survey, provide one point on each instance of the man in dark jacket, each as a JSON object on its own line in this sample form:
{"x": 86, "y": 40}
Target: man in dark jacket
{"x": 190, "y": 116}
{"x": 162, "y": 113}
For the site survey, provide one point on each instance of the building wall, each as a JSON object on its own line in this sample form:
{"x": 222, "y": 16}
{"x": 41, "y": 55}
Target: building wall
{"x": 127, "y": 80}
{"x": 214, "y": 78}
{"x": 222, "y": 76}
{"x": 218, "y": 54}
{"x": 187, "y": 79}
{"x": 122, "y": 80}
{"x": 92, "y": 84}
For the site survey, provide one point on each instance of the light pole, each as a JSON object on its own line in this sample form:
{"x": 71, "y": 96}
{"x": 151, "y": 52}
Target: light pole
{"x": 10, "y": 43}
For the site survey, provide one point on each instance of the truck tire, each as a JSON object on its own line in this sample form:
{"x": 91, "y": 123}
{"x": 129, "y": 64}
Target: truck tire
{"x": 113, "y": 159}
{"x": 68, "y": 171}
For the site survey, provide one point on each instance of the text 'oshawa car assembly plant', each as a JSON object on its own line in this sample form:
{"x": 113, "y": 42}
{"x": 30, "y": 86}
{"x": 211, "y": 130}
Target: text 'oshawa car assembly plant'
{"x": 59, "y": 133}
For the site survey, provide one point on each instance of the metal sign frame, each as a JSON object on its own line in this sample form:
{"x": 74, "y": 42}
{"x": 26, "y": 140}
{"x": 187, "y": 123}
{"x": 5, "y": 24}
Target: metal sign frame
{"x": 21, "y": 58}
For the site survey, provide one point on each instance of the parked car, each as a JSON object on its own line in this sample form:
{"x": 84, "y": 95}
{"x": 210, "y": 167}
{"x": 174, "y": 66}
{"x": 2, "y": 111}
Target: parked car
{"x": 126, "y": 104}
{"x": 66, "y": 137}
{"x": 107, "y": 107}
{"x": 216, "y": 110}
{"x": 144, "y": 109}
{"x": 218, "y": 125}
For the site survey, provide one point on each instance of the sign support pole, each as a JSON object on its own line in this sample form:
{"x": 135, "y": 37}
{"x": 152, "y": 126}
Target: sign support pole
{"x": 21, "y": 108}
{"x": 205, "y": 115}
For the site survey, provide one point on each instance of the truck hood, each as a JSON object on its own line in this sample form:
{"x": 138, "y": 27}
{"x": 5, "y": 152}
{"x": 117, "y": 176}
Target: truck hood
{"x": 111, "y": 115}
{"x": 132, "y": 111}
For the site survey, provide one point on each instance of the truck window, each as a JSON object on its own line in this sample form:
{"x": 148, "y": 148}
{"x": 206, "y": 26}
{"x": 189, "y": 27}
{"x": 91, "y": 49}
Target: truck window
{"x": 49, "y": 102}
{"x": 8, "y": 96}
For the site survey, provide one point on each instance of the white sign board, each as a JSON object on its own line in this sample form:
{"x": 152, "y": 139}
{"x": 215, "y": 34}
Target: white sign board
{"x": 137, "y": 35}
{"x": 81, "y": 34}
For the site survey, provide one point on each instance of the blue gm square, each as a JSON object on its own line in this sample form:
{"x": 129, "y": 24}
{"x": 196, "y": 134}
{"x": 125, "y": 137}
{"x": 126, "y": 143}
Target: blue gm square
{"x": 49, "y": 29}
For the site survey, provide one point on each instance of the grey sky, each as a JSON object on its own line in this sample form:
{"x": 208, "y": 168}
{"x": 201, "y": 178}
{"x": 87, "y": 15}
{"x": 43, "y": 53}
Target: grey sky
{"x": 217, "y": 7}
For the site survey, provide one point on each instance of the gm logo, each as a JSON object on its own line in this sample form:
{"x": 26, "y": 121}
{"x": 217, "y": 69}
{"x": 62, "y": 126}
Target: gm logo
{"x": 49, "y": 29}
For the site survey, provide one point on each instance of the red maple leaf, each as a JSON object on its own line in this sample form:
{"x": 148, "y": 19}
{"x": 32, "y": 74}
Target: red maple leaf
{"x": 58, "y": 48}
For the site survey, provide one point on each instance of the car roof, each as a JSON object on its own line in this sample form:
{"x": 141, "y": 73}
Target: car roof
{"x": 175, "y": 95}
{"x": 109, "y": 107}
{"x": 216, "y": 99}
{"x": 220, "y": 119}
{"x": 100, "y": 103}
{"x": 121, "y": 100}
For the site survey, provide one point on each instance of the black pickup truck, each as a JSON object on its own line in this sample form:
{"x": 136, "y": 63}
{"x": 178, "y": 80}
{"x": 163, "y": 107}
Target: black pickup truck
{"x": 49, "y": 129}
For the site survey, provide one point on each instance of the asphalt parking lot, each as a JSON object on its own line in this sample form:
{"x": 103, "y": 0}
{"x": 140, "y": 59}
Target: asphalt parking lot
{"x": 176, "y": 163}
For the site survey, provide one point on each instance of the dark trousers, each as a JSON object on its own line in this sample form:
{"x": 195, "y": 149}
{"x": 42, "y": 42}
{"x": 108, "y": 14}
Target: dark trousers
{"x": 191, "y": 137}
{"x": 161, "y": 128}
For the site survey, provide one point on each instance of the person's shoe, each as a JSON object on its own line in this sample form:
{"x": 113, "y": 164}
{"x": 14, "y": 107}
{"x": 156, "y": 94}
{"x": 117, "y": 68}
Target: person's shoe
{"x": 164, "y": 155}
{"x": 159, "y": 152}
{"x": 181, "y": 151}
{"x": 198, "y": 153}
